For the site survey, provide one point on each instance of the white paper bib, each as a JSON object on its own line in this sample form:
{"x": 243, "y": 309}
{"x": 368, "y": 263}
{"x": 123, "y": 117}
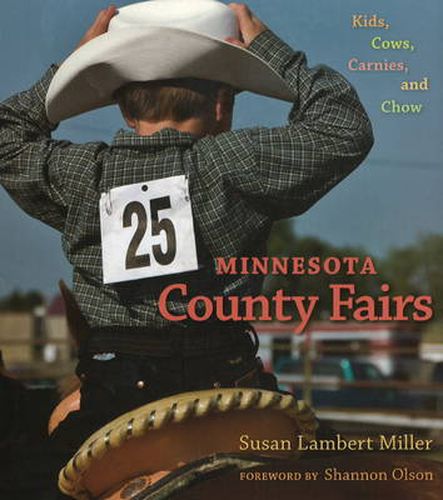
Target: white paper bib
{"x": 147, "y": 230}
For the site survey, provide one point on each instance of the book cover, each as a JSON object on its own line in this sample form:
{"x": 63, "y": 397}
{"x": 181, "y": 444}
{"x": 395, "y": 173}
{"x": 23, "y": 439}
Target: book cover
{"x": 345, "y": 299}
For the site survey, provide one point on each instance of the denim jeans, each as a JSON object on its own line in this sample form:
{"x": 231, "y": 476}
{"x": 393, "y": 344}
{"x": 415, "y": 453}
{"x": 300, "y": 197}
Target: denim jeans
{"x": 115, "y": 383}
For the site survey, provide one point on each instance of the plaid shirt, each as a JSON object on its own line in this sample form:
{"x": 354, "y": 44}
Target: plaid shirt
{"x": 240, "y": 181}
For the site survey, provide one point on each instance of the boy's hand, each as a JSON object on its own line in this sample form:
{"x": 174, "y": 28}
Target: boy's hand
{"x": 100, "y": 26}
{"x": 250, "y": 26}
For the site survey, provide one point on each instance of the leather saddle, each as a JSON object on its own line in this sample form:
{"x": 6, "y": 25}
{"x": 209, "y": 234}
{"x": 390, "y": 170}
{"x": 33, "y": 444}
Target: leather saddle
{"x": 156, "y": 440}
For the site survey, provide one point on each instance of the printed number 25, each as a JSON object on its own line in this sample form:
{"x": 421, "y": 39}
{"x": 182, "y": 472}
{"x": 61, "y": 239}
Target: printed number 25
{"x": 134, "y": 261}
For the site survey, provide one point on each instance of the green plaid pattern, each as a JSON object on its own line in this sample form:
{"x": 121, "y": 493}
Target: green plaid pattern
{"x": 240, "y": 181}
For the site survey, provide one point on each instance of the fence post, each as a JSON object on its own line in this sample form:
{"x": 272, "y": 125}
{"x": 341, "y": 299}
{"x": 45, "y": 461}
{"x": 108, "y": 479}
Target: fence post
{"x": 307, "y": 368}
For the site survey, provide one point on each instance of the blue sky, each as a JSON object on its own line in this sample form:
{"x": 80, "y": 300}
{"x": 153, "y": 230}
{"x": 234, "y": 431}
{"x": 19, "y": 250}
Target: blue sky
{"x": 391, "y": 200}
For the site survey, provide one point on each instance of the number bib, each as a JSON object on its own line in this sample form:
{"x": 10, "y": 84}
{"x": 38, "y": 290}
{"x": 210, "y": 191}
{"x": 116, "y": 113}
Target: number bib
{"x": 147, "y": 230}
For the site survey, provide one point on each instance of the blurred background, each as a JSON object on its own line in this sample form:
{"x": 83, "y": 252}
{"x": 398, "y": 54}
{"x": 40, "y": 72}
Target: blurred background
{"x": 362, "y": 378}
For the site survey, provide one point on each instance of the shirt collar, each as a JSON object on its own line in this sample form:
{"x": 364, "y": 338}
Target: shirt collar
{"x": 166, "y": 137}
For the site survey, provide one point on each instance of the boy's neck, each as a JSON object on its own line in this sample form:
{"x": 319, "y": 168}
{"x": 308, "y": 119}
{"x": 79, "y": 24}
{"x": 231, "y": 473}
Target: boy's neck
{"x": 194, "y": 126}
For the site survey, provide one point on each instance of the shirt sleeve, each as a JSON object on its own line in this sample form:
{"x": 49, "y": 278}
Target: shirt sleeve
{"x": 31, "y": 163}
{"x": 283, "y": 171}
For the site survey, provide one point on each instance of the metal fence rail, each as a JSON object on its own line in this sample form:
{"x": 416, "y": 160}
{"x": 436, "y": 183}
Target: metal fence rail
{"x": 410, "y": 420}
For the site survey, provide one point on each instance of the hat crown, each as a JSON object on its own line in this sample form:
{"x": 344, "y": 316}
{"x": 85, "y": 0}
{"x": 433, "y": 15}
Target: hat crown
{"x": 206, "y": 17}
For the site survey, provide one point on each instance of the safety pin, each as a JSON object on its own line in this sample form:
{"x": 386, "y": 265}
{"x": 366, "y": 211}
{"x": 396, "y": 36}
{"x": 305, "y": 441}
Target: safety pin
{"x": 108, "y": 203}
{"x": 187, "y": 196}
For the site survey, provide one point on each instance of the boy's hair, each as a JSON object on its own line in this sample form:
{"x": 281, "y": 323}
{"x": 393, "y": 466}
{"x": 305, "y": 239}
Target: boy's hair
{"x": 177, "y": 100}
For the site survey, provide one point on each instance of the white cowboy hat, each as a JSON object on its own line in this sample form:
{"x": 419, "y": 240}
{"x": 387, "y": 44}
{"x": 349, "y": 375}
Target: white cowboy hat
{"x": 157, "y": 40}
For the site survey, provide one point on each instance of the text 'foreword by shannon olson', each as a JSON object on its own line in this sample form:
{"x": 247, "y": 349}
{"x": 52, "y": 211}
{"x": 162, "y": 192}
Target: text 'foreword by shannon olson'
{"x": 346, "y": 302}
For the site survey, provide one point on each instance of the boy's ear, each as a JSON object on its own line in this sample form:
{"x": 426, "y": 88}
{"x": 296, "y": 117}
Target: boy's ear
{"x": 129, "y": 121}
{"x": 219, "y": 111}
{"x": 224, "y": 107}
